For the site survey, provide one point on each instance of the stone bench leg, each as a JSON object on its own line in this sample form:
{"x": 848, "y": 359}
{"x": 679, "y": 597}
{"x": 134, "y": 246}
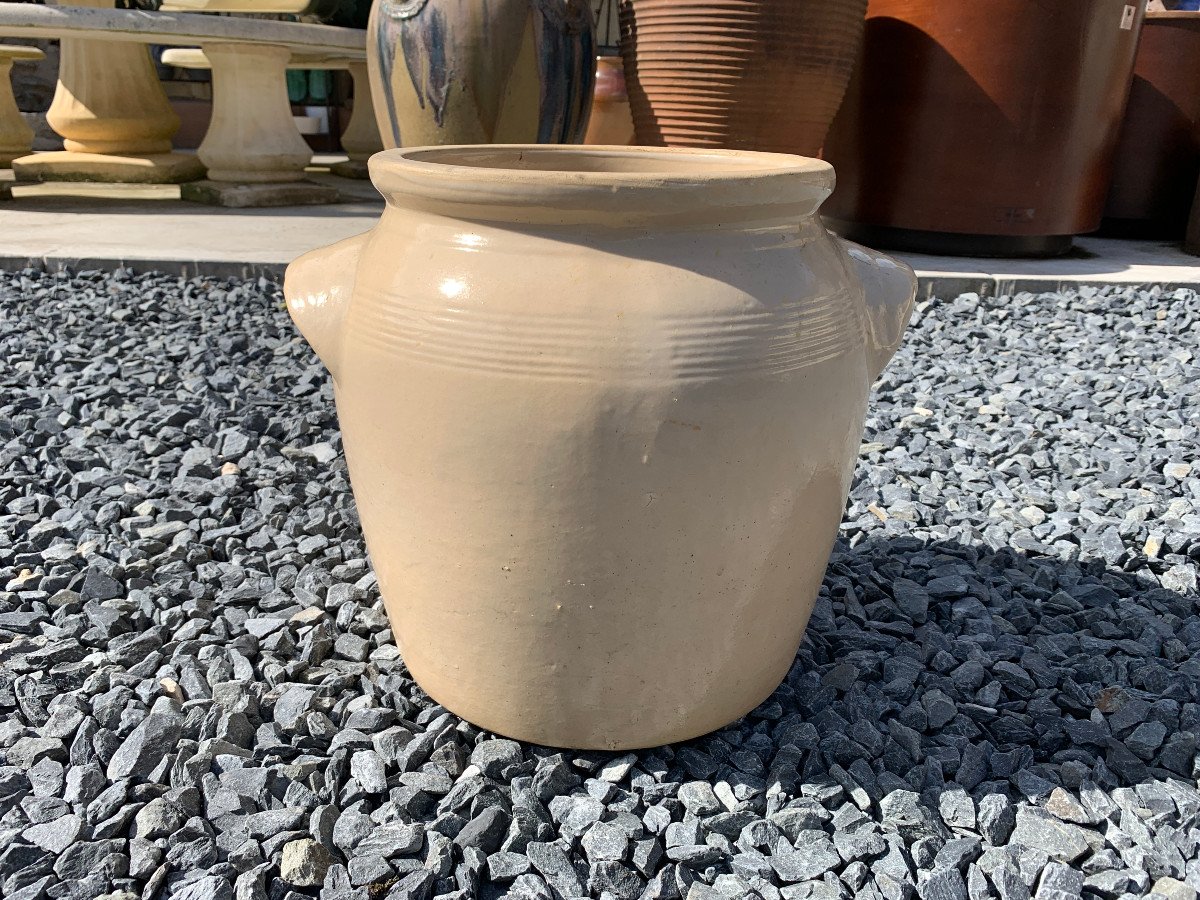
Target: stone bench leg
{"x": 361, "y": 138}
{"x": 113, "y": 115}
{"x": 254, "y": 153}
{"x": 16, "y": 137}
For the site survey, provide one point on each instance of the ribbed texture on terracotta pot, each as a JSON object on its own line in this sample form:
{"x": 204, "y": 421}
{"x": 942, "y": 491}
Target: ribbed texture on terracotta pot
{"x": 739, "y": 74}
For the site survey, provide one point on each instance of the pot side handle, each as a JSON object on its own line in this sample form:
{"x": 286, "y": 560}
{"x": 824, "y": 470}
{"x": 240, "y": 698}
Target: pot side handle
{"x": 317, "y": 287}
{"x": 891, "y": 287}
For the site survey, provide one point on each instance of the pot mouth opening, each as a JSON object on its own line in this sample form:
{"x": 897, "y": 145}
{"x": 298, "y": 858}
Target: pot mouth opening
{"x": 611, "y": 163}
{"x": 540, "y": 183}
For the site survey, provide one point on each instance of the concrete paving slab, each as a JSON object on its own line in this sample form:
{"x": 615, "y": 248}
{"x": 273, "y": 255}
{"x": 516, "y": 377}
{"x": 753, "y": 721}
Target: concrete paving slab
{"x": 149, "y": 227}
{"x": 169, "y": 235}
{"x": 1094, "y": 260}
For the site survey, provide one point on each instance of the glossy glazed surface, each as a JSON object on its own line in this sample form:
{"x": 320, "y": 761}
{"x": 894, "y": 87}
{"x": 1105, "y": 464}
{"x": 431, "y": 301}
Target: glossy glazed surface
{"x": 601, "y": 407}
{"x": 462, "y": 71}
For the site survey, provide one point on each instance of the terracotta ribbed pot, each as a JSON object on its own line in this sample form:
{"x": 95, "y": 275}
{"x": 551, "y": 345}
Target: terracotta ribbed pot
{"x": 741, "y": 74}
{"x": 1158, "y": 156}
{"x": 601, "y": 407}
{"x": 982, "y": 127}
{"x": 471, "y": 72}
{"x": 611, "y": 122}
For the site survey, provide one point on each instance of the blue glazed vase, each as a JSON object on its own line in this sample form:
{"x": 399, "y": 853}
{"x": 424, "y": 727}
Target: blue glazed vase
{"x": 481, "y": 71}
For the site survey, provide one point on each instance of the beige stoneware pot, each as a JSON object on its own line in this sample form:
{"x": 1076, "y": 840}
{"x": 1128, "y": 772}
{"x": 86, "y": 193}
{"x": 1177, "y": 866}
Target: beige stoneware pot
{"x": 601, "y": 407}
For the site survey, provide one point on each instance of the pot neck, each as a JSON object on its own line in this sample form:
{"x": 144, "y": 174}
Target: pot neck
{"x": 612, "y": 187}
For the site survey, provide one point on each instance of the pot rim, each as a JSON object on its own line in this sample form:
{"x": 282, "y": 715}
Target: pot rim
{"x": 604, "y": 185}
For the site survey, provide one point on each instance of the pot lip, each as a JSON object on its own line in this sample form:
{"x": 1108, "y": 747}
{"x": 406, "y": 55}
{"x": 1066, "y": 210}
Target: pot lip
{"x": 565, "y": 183}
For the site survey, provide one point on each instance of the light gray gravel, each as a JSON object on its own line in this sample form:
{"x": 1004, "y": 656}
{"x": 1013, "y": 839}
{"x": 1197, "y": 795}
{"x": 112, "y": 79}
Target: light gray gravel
{"x": 200, "y": 698}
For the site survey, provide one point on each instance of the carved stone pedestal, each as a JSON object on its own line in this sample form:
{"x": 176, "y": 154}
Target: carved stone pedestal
{"x": 249, "y": 100}
{"x": 253, "y": 151}
{"x": 16, "y": 137}
{"x": 113, "y": 116}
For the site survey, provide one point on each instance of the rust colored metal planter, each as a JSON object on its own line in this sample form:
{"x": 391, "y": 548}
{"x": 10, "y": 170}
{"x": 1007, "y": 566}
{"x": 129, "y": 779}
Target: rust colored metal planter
{"x": 1158, "y": 157}
{"x": 983, "y": 128}
{"x": 738, "y": 74}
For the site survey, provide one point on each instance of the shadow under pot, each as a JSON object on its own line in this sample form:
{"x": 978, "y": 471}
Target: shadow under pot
{"x": 466, "y": 72}
{"x": 601, "y": 408}
{"x": 982, "y": 129}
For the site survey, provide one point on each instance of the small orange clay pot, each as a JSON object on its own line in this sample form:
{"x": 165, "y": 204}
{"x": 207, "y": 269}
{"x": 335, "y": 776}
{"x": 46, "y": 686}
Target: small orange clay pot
{"x": 611, "y": 122}
{"x": 601, "y": 407}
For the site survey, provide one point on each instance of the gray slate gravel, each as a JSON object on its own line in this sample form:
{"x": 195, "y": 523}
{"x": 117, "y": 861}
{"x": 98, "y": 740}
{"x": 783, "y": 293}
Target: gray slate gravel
{"x": 199, "y": 696}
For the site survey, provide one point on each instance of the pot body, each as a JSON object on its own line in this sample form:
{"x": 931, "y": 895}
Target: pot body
{"x": 600, "y": 467}
{"x": 742, "y": 74}
{"x": 611, "y": 122}
{"x": 1030, "y": 158}
{"x": 1158, "y": 156}
{"x": 461, "y": 71}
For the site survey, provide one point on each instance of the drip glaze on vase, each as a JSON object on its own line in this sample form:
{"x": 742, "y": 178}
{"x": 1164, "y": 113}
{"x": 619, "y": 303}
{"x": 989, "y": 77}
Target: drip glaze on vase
{"x": 464, "y": 71}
